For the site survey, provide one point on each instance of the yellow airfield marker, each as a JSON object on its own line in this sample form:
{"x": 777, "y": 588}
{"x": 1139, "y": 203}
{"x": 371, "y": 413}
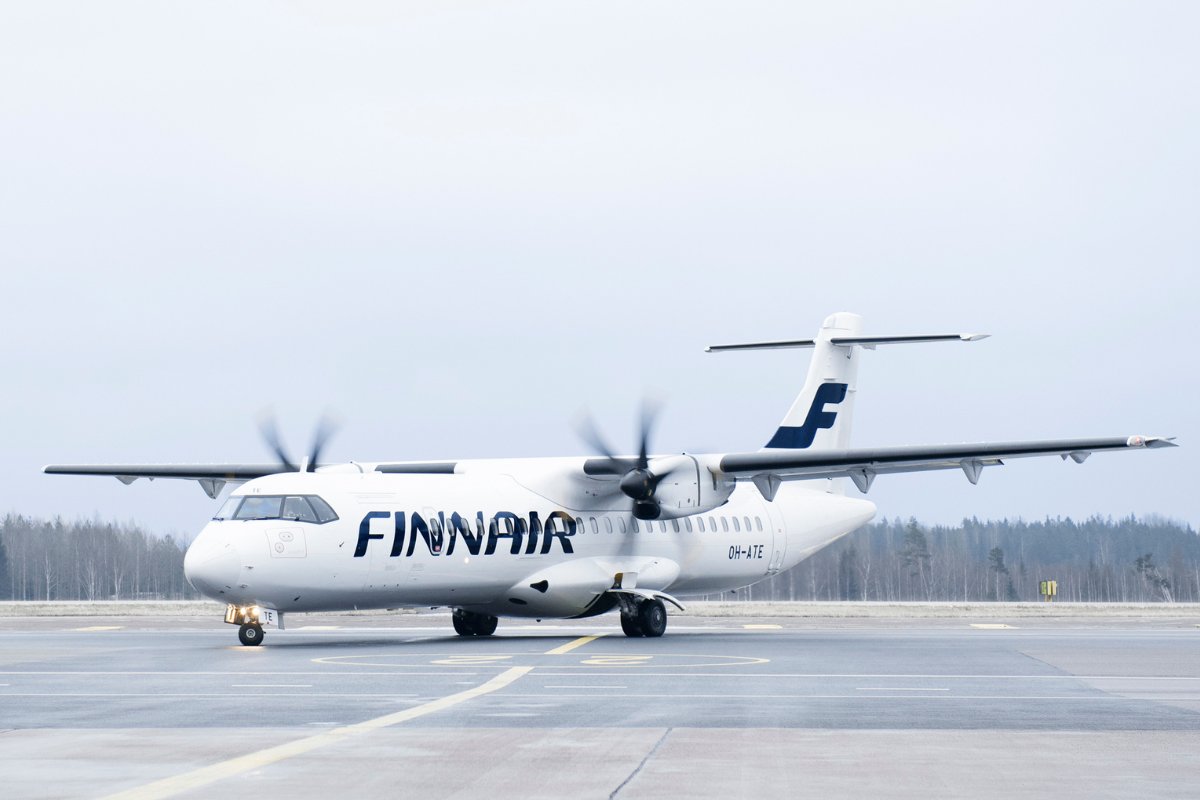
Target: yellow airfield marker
{"x": 569, "y": 646}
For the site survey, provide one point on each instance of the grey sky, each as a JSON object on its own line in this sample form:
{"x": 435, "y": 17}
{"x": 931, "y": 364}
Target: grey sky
{"x": 457, "y": 222}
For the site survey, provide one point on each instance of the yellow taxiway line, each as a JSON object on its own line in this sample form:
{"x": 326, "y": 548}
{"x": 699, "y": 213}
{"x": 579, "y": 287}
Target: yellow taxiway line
{"x": 569, "y": 646}
{"x": 235, "y": 766}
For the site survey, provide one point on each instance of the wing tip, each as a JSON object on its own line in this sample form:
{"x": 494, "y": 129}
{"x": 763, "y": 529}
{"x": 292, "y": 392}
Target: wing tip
{"x": 1151, "y": 441}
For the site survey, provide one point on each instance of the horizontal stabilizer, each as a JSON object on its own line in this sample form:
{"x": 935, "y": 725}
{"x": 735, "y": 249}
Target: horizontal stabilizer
{"x": 868, "y": 342}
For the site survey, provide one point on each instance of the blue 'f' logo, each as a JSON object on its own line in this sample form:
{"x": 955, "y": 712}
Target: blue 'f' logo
{"x": 818, "y": 417}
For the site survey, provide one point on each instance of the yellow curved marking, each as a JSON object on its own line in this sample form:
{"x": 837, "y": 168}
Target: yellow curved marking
{"x": 236, "y": 766}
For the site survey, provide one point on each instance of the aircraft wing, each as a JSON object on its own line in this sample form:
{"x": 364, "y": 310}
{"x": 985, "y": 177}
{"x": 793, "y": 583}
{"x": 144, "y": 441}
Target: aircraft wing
{"x": 212, "y": 477}
{"x": 768, "y": 467}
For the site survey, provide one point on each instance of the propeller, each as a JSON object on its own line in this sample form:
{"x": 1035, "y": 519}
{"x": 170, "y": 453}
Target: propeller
{"x": 637, "y": 481}
{"x": 327, "y": 426}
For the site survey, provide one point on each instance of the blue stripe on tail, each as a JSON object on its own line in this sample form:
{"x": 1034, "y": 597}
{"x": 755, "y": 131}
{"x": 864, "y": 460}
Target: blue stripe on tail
{"x": 818, "y": 418}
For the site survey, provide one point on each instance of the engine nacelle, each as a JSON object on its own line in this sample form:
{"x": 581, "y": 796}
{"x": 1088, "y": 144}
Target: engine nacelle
{"x": 692, "y": 485}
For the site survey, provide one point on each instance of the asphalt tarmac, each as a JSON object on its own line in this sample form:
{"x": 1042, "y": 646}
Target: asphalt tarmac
{"x": 380, "y": 706}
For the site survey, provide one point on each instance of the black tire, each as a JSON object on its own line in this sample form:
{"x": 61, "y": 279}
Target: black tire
{"x": 652, "y": 616}
{"x": 250, "y": 635}
{"x": 631, "y": 626}
{"x": 484, "y": 624}
{"x": 462, "y": 626}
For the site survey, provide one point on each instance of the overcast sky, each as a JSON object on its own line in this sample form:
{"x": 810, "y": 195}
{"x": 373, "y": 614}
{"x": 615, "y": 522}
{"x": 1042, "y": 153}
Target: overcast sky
{"x": 458, "y": 222}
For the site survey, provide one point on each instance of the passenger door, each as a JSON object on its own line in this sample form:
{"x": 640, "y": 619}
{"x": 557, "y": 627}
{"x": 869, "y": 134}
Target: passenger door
{"x": 778, "y": 538}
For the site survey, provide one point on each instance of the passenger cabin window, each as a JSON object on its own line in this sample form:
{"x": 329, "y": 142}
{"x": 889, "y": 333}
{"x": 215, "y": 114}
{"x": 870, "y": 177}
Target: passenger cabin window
{"x": 306, "y": 508}
{"x": 687, "y": 523}
{"x": 608, "y": 524}
{"x": 712, "y": 523}
{"x": 758, "y": 522}
{"x": 621, "y": 523}
{"x": 635, "y": 526}
{"x": 700, "y": 522}
{"x": 675, "y": 525}
{"x": 724, "y": 524}
{"x": 747, "y": 521}
{"x": 662, "y": 525}
{"x": 595, "y": 527}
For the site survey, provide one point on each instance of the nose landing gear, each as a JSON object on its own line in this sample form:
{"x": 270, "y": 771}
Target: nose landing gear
{"x": 250, "y": 634}
{"x": 469, "y": 623}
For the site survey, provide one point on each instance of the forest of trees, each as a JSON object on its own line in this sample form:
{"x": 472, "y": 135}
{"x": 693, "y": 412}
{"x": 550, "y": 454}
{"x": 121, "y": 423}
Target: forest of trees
{"x": 88, "y": 560}
{"x": 1127, "y": 560}
{"x": 1146, "y": 560}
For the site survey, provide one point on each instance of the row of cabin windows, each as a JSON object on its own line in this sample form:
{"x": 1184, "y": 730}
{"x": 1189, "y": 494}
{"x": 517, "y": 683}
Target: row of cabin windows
{"x": 662, "y": 524}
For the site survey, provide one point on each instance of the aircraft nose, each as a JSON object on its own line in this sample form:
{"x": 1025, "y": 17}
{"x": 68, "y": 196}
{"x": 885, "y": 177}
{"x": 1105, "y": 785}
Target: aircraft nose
{"x": 212, "y": 567}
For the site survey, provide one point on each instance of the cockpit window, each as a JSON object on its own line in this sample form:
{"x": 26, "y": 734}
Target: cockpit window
{"x": 259, "y": 508}
{"x": 306, "y": 508}
{"x": 297, "y": 508}
{"x": 229, "y": 508}
{"x": 324, "y": 512}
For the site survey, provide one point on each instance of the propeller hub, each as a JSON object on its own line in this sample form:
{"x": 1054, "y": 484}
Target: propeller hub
{"x": 640, "y": 485}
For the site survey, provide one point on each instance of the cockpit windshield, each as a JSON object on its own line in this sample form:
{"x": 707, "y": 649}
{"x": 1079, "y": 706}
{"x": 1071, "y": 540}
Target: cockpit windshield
{"x": 301, "y": 508}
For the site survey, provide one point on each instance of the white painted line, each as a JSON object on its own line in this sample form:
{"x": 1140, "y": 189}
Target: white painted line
{"x": 515, "y": 714}
{"x": 896, "y": 689}
{"x": 99, "y": 628}
{"x": 1068, "y": 698}
{"x": 585, "y": 687}
{"x": 291, "y": 698}
{"x": 991, "y": 626}
{"x": 271, "y": 685}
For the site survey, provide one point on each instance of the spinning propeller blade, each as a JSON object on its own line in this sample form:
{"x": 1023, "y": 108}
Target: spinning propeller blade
{"x": 326, "y": 428}
{"x": 637, "y": 481}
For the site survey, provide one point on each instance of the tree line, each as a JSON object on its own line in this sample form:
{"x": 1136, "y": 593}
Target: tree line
{"x": 1143, "y": 560}
{"x": 1098, "y": 560}
{"x": 88, "y": 560}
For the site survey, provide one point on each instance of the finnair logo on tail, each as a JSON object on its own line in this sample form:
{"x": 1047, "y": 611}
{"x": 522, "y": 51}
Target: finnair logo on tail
{"x": 818, "y": 418}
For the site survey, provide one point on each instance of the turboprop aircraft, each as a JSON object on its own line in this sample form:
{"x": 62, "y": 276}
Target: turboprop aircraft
{"x": 560, "y": 537}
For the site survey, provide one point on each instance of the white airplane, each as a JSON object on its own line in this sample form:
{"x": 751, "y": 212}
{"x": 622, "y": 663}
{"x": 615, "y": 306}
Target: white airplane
{"x": 559, "y": 537}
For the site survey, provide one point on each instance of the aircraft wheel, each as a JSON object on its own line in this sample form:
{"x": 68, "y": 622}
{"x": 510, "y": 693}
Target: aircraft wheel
{"x": 250, "y": 635}
{"x": 462, "y": 625}
{"x": 652, "y": 615}
{"x": 631, "y": 626}
{"x": 484, "y": 624}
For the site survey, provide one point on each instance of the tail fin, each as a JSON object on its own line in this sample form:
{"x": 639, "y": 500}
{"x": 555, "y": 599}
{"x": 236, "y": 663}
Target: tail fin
{"x": 821, "y": 416}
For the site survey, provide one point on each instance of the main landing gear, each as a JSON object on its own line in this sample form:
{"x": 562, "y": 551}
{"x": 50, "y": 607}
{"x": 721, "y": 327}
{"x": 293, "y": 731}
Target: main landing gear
{"x": 644, "y": 618}
{"x": 469, "y": 623}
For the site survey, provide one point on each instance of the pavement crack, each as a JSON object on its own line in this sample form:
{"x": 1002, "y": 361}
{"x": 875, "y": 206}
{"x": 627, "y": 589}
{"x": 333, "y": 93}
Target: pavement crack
{"x": 645, "y": 760}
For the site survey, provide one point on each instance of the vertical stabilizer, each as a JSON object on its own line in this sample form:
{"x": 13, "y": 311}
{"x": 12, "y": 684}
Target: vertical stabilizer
{"x": 821, "y": 416}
